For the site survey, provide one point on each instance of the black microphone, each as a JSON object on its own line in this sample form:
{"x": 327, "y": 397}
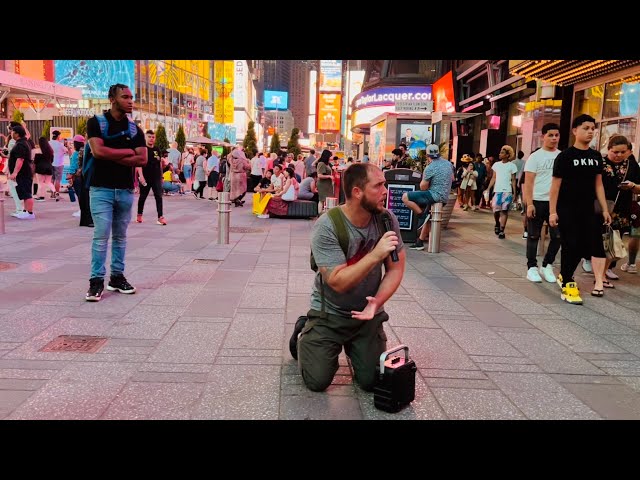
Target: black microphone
{"x": 386, "y": 218}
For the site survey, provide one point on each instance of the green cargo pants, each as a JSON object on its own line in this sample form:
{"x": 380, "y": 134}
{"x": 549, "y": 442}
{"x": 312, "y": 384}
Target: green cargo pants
{"x": 322, "y": 339}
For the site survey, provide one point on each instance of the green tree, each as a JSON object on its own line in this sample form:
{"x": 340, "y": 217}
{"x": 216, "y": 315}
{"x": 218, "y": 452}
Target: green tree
{"x": 250, "y": 142}
{"x": 226, "y": 150}
{"x": 82, "y": 126}
{"x": 161, "y": 138}
{"x": 181, "y": 140}
{"x": 275, "y": 144}
{"x": 293, "y": 146}
{"x": 46, "y": 130}
{"x": 18, "y": 116}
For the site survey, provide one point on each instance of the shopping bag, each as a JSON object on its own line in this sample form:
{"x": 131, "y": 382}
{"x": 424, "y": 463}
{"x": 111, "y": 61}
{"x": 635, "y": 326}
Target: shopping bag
{"x": 613, "y": 245}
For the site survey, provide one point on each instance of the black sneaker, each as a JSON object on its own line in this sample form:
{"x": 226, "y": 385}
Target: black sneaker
{"x": 496, "y": 229}
{"x": 96, "y": 286}
{"x": 293, "y": 341}
{"x": 424, "y": 218}
{"x": 120, "y": 284}
{"x": 419, "y": 245}
{"x": 501, "y": 235}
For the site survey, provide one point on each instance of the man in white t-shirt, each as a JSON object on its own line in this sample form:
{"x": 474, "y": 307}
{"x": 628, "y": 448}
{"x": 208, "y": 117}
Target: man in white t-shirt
{"x": 538, "y": 172}
{"x": 504, "y": 188}
{"x": 59, "y": 151}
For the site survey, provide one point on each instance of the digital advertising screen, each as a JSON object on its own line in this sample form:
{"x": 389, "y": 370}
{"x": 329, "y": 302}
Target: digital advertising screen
{"x": 443, "y": 94}
{"x": 329, "y": 112}
{"x": 276, "y": 100}
{"x": 410, "y": 131}
{"x": 94, "y": 77}
{"x": 330, "y": 76}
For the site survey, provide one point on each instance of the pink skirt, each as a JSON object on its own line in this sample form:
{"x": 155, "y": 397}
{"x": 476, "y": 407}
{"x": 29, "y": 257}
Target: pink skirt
{"x": 277, "y": 206}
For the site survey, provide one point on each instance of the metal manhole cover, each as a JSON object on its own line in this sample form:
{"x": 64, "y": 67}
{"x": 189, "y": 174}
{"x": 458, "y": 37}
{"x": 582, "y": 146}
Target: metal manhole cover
{"x": 7, "y": 266}
{"x": 205, "y": 260}
{"x": 75, "y": 343}
{"x": 245, "y": 230}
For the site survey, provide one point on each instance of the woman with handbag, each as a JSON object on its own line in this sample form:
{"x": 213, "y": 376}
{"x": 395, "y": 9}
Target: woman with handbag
{"x": 620, "y": 177}
{"x": 469, "y": 187}
{"x": 279, "y": 202}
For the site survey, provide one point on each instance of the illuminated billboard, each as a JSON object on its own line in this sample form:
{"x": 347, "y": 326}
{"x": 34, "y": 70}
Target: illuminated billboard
{"x": 444, "y": 98}
{"x": 191, "y": 77}
{"x": 331, "y": 76}
{"x": 94, "y": 77}
{"x": 276, "y": 100}
{"x": 329, "y": 112}
{"x": 36, "y": 69}
{"x": 223, "y": 73}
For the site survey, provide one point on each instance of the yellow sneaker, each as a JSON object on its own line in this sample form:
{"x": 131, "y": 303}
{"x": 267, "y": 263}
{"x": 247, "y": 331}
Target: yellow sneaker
{"x": 559, "y": 280}
{"x": 571, "y": 294}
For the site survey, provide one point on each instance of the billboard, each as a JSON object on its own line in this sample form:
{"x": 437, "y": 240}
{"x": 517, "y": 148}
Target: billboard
{"x": 36, "y": 69}
{"x": 329, "y": 112}
{"x": 445, "y": 100}
{"x": 331, "y": 76}
{"x": 241, "y": 79}
{"x": 276, "y": 100}
{"x": 223, "y": 74}
{"x": 191, "y": 77}
{"x": 94, "y": 77}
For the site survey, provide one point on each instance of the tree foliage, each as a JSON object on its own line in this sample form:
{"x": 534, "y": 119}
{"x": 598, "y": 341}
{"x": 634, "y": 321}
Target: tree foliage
{"x": 226, "y": 150}
{"x": 82, "y": 127}
{"x": 181, "y": 139}
{"x": 275, "y": 144}
{"x": 18, "y": 116}
{"x": 161, "y": 138}
{"x": 250, "y": 142}
{"x": 46, "y": 130}
{"x": 293, "y": 146}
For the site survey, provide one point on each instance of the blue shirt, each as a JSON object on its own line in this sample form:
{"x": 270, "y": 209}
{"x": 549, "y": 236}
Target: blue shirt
{"x": 73, "y": 162}
{"x": 439, "y": 174}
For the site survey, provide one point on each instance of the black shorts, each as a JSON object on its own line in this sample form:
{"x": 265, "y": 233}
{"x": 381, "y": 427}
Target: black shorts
{"x": 24, "y": 187}
{"x": 582, "y": 234}
{"x": 213, "y": 179}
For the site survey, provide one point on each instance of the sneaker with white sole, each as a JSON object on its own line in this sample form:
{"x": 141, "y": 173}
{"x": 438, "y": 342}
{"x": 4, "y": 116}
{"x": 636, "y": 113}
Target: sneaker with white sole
{"x": 418, "y": 245}
{"x": 547, "y": 273}
{"x": 15, "y": 214}
{"x": 525, "y": 234}
{"x": 586, "y": 266}
{"x": 533, "y": 275}
{"x": 559, "y": 280}
{"x": 629, "y": 268}
{"x": 26, "y": 216}
{"x": 611, "y": 275}
{"x": 120, "y": 284}
{"x": 571, "y": 294}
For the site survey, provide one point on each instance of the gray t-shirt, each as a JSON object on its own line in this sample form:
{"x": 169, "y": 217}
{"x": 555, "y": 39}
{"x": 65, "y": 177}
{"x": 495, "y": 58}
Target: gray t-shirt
{"x": 200, "y": 173}
{"x": 305, "y": 192}
{"x": 440, "y": 175}
{"x": 174, "y": 157}
{"x": 327, "y": 253}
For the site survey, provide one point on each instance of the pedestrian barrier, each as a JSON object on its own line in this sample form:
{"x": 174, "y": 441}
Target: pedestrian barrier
{"x": 436, "y": 225}
{"x": 224, "y": 213}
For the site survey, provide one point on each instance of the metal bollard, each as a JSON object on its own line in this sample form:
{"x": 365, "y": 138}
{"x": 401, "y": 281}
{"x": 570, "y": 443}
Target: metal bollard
{"x": 330, "y": 202}
{"x": 1, "y": 213}
{"x": 224, "y": 213}
{"x": 436, "y": 225}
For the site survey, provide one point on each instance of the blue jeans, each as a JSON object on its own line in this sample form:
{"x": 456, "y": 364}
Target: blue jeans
{"x": 110, "y": 208}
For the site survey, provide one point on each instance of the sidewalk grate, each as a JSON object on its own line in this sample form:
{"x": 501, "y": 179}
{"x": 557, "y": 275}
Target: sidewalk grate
{"x": 205, "y": 260}
{"x": 246, "y": 230}
{"x": 7, "y": 266}
{"x": 74, "y": 343}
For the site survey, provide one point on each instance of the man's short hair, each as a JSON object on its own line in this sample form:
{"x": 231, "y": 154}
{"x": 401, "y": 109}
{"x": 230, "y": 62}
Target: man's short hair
{"x": 150, "y": 132}
{"x": 312, "y": 151}
{"x": 396, "y": 151}
{"x": 549, "y": 126}
{"x": 580, "y": 119}
{"x": 113, "y": 89}
{"x": 19, "y": 129}
{"x": 55, "y": 134}
{"x": 357, "y": 175}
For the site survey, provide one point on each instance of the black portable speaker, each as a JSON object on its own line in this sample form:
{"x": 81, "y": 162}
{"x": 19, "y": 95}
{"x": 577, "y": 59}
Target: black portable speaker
{"x": 396, "y": 386}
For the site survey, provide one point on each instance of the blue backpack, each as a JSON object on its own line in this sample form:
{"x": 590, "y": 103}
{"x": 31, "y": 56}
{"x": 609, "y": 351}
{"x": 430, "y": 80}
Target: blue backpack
{"x": 88, "y": 161}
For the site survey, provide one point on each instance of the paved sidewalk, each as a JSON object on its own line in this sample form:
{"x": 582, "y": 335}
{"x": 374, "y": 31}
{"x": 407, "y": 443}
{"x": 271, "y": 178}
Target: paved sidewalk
{"x": 206, "y": 335}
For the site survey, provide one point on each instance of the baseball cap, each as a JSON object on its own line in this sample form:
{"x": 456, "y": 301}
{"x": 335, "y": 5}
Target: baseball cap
{"x": 433, "y": 150}
{"x": 19, "y": 129}
{"x": 78, "y": 138}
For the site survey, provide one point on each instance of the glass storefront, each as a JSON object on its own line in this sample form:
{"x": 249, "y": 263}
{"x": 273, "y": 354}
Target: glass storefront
{"x": 614, "y": 103}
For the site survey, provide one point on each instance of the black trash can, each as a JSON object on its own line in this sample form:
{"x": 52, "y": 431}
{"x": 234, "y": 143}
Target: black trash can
{"x": 400, "y": 181}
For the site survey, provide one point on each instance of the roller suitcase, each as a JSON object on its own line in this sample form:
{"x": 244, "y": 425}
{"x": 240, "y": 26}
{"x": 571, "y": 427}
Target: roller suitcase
{"x": 396, "y": 386}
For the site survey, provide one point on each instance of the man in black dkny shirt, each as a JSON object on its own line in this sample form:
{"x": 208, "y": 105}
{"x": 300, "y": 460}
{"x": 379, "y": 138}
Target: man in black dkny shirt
{"x": 111, "y": 194}
{"x": 576, "y": 183}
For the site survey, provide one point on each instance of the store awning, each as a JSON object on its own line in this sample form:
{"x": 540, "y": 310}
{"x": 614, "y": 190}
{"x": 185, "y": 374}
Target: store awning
{"x": 37, "y": 92}
{"x": 568, "y": 72}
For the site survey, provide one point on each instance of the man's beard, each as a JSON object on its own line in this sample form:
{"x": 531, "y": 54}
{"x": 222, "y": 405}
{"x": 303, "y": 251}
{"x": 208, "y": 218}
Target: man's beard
{"x": 369, "y": 206}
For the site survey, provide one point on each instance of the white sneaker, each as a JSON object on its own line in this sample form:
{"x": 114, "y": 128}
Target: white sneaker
{"x": 525, "y": 234}
{"x": 610, "y": 275}
{"x": 533, "y": 275}
{"x": 547, "y": 273}
{"x": 586, "y": 266}
{"x": 26, "y": 216}
{"x": 263, "y": 215}
{"x": 629, "y": 268}
{"x": 76, "y": 214}
{"x": 15, "y": 214}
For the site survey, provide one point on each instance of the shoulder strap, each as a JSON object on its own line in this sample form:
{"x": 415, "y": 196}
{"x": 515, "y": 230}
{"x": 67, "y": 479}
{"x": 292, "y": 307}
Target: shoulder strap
{"x": 337, "y": 217}
{"x": 133, "y": 129}
{"x": 104, "y": 124}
